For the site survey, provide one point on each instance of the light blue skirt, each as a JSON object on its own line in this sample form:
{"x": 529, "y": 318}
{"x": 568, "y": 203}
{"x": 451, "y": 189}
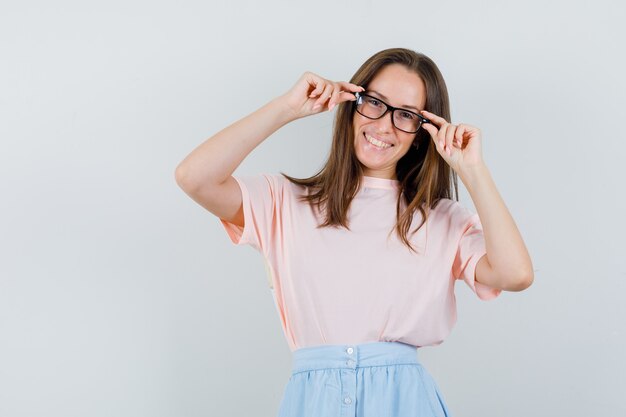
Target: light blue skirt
{"x": 378, "y": 379}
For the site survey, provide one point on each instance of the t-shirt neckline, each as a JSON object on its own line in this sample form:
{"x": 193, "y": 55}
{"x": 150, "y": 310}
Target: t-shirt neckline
{"x": 375, "y": 182}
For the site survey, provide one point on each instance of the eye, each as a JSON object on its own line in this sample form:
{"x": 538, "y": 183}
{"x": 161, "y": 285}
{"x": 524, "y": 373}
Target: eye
{"x": 373, "y": 101}
{"x": 407, "y": 115}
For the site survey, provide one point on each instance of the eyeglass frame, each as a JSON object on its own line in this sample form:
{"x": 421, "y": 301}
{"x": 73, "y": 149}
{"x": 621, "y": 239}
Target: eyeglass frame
{"x": 389, "y": 108}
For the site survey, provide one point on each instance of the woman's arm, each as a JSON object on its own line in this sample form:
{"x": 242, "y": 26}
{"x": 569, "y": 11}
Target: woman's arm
{"x": 206, "y": 173}
{"x": 216, "y": 159}
{"x": 507, "y": 264}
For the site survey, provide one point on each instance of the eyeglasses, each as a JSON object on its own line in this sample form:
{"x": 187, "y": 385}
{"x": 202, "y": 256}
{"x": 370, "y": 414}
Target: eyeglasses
{"x": 374, "y": 108}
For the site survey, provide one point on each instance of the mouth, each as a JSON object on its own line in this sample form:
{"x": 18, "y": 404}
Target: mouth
{"x": 377, "y": 144}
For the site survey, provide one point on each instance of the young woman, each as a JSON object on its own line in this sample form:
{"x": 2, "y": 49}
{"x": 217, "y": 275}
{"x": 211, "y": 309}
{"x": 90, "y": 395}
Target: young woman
{"x": 362, "y": 257}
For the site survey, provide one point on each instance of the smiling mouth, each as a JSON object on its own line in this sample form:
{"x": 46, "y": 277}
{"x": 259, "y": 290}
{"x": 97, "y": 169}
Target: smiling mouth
{"x": 377, "y": 143}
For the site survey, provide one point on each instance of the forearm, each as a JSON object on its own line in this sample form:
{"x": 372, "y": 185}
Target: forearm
{"x": 216, "y": 159}
{"x": 506, "y": 251}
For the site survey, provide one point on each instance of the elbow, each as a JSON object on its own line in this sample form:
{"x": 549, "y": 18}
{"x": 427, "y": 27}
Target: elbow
{"x": 182, "y": 178}
{"x": 522, "y": 282}
{"x": 513, "y": 278}
{"x": 179, "y": 175}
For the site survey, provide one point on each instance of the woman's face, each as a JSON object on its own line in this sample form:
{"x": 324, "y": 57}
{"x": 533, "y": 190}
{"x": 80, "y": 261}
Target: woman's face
{"x": 399, "y": 87}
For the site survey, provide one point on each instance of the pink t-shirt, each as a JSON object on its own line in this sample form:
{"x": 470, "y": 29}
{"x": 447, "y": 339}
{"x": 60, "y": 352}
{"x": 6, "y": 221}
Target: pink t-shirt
{"x": 334, "y": 286}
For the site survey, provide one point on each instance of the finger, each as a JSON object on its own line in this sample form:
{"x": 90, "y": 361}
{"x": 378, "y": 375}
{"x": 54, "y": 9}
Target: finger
{"x": 434, "y": 118}
{"x": 458, "y": 136}
{"x": 341, "y": 97}
{"x": 432, "y": 130}
{"x": 349, "y": 86}
{"x": 319, "y": 87}
{"x": 450, "y": 137}
{"x": 328, "y": 94}
{"x": 441, "y": 136}
{"x": 331, "y": 100}
{"x": 435, "y": 134}
{"x": 345, "y": 96}
{"x": 328, "y": 89}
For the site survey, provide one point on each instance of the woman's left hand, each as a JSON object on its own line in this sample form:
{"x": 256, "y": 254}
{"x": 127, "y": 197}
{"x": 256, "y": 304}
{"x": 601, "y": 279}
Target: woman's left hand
{"x": 459, "y": 146}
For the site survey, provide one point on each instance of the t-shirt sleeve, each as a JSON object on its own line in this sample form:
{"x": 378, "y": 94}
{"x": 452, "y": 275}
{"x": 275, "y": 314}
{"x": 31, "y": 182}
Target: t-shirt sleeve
{"x": 262, "y": 197}
{"x": 471, "y": 247}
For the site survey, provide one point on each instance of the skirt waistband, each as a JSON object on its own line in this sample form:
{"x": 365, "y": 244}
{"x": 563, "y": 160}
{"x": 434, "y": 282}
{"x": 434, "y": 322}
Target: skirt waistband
{"x": 353, "y": 356}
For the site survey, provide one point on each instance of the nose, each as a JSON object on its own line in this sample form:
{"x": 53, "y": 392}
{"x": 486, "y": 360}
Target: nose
{"x": 385, "y": 123}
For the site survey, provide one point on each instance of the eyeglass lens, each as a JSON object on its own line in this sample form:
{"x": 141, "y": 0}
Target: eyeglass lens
{"x": 374, "y": 108}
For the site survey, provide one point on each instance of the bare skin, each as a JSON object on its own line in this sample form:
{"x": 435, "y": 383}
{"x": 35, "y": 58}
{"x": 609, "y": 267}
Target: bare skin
{"x": 206, "y": 173}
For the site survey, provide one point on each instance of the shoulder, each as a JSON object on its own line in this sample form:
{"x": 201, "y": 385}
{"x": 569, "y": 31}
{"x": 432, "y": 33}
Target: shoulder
{"x": 453, "y": 213}
{"x": 278, "y": 182}
{"x": 273, "y": 185}
{"x": 269, "y": 180}
{"x": 445, "y": 208}
{"x": 452, "y": 207}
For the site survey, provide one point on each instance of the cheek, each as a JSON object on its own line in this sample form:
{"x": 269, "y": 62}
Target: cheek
{"x": 406, "y": 145}
{"x": 359, "y": 122}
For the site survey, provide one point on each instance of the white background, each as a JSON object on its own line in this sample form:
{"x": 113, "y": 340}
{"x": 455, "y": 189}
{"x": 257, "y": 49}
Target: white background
{"x": 120, "y": 296}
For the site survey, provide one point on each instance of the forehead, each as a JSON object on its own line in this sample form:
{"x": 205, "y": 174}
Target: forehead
{"x": 401, "y": 86}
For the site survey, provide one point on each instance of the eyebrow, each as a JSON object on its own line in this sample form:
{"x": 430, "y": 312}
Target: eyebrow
{"x": 406, "y": 106}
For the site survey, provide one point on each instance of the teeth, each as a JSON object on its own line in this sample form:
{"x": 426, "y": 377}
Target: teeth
{"x": 376, "y": 142}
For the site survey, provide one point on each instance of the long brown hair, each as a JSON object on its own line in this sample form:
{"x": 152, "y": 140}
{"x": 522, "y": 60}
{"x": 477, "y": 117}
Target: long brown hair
{"x": 424, "y": 176}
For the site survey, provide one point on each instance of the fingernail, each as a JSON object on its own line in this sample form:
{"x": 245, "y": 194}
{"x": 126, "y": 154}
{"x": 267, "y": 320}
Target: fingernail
{"x": 317, "y": 106}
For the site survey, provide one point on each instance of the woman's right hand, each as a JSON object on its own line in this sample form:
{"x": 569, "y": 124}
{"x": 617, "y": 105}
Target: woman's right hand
{"x": 313, "y": 94}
